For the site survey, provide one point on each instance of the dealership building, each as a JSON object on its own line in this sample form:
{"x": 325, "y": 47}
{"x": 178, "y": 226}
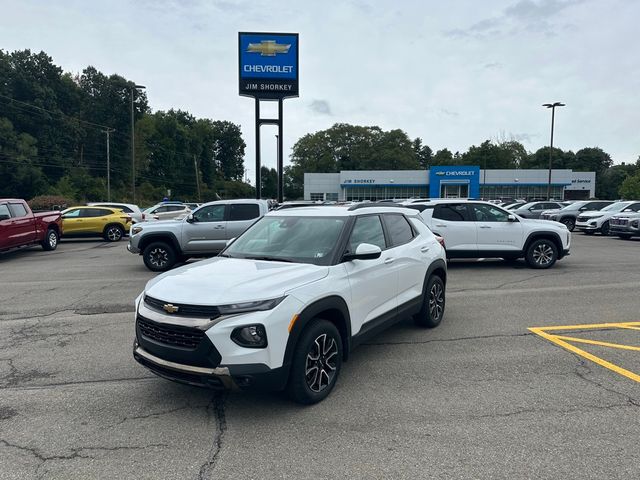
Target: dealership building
{"x": 448, "y": 182}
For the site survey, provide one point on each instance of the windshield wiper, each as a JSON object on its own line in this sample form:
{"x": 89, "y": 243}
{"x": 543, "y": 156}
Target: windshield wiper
{"x": 270, "y": 259}
{"x": 225, "y": 255}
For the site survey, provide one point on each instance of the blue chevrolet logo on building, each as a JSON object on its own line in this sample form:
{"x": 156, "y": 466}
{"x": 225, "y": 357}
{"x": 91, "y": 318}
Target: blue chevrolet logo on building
{"x": 454, "y": 182}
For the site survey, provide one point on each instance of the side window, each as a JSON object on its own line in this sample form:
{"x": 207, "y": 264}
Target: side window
{"x": 161, "y": 209}
{"x": 212, "y": 213}
{"x": 399, "y": 229}
{"x": 4, "y": 212}
{"x": 635, "y": 207}
{"x": 176, "y": 208}
{"x": 451, "y": 212}
{"x": 487, "y": 213}
{"x": 18, "y": 210}
{"x": 91, "y": 212}
{"x": 243, "y": 211}
{"x": 367, "y": 230}
{"x": 73, "y": 213}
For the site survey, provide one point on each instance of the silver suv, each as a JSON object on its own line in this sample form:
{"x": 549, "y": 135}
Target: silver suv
{"x": 204, "y": 232}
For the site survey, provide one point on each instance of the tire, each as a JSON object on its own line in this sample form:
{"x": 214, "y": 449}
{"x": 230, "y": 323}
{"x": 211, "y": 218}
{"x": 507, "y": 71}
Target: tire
{"x": 604, "y": 229}
{"x": 159, "y": 256}
{"x": 314, "y": 374}
{"x": 624, "y": 236}
{"x": 433, "y": 303}
{"x": 570, "y": 223}
{"x": 113, "y": 233}
{"x": 50, "y": 241}
{"x": 542, "y": 254}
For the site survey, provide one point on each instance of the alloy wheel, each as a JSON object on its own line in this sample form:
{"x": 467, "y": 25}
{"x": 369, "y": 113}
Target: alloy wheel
{"x": 321, "y": 363}
{"x": 543, "y": 254}
{"x": 436, "y": 301}
{"x": 53, "y": 240}
{"x": 114, "y": 234}
{"x": 158, "y": 257}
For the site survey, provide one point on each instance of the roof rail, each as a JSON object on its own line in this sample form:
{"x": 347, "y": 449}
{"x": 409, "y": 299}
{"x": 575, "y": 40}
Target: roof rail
{"x": 376, "y": 205}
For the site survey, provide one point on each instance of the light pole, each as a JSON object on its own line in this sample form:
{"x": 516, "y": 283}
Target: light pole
{"x": 278, "y": 186}
{"x": 134, "y": 88}
{"x": 552, "y": 106}
{"x": 108, "y": 132}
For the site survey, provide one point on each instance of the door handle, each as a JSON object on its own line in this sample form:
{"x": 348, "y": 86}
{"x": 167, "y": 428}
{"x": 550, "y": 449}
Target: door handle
{"x": 424, "y": 249}
{"x": 485, "y": 226}
{"x": 440, "y": 225}
{"x": 388, "y": 261}
{"x": 218, "y": 227}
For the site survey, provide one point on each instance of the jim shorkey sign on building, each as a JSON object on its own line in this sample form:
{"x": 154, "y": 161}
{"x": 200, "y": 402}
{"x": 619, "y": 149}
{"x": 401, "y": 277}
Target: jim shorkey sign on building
{"x": 268, "y": 70}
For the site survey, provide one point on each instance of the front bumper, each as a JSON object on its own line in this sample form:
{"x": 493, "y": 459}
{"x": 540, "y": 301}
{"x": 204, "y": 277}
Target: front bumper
{"x": 232, "y": 377}
{"x": 624, "y": 230}
{"x": 132, "y": 249}
{"x": 587, "y": 227}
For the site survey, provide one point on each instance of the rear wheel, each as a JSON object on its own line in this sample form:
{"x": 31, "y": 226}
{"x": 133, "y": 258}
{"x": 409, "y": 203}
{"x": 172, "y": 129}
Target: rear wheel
{"x": 50, "y": 241}
{"x": 542, "y": 253}
{"x": 604, "y": 230}
{"x": 159, "y": 257}
{"x": 316, "y": 363}
{"x": 113, "y": 233}
{"x": 433, "y": 302}
{"x": 569, "y": 223}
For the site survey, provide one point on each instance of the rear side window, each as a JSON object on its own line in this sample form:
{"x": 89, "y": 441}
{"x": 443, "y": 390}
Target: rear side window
{"x": 18, "y": 210}
{"x": 4, "y": 211}
{"x": 452, "y": 212}
{"x": 399, "y": 229}
{"x": 243, "y": 211}
{"x": 634, "y": 207}
{"x": 367, "y": 230}
{"x": 119, "y": 207}
{"x": 175, "y": 208}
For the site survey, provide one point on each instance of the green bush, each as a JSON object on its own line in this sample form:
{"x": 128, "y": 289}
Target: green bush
{"x": 50, "y": 202}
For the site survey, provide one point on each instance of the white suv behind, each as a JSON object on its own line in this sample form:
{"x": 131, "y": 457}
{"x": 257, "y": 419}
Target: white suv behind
{"x": 283, "y": 305}
{"x": 475, "y": 229}
{"x": 599, "y": 221}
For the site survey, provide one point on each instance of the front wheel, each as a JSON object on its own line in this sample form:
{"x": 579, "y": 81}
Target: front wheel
{"x": 316, "y": 363}
{"x": 542, "y": 253}
{"x": 159, "y": 257}
{"x": 604, "y": 230}
{"x": 569, "y": 223}
{"x": 433, "y": 302}
{"x": 113, "y": 233}
{"x": 50, "y": 241}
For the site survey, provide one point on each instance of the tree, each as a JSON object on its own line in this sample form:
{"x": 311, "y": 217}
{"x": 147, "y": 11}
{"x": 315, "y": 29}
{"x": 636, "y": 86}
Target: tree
{"x": 269, "y": 182}
{"x": 609, "y": 182}
{"x": 630, "y": 188}
{"x": 423, "y": 153}
{"x": 591, "y": 159}
{"x": 443, "y": 157}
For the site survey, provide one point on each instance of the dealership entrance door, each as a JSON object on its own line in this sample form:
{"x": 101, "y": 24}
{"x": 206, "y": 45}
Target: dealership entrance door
{"x": 454, "y": 190}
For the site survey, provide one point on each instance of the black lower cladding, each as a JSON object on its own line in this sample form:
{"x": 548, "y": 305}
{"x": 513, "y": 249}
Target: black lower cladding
{"x": 178, "y": 344}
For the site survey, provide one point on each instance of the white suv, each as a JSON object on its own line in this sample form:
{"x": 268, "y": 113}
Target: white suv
{"x": 599, "y": 221}
{"x": 475, "y": 229}
{"x": 285, "y": 303}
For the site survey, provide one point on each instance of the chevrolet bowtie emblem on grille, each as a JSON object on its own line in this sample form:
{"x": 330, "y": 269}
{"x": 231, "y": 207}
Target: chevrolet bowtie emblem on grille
{"x": 169, "y": 308}
{"x": 268, "y": 48}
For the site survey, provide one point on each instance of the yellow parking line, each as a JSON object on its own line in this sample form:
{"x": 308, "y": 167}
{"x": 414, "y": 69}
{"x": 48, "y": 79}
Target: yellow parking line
{"x": 588, "y": 326}
{"x": 596, "y": 342}
{"x": 572, "y": 348}
{"x": 626, "y": 325}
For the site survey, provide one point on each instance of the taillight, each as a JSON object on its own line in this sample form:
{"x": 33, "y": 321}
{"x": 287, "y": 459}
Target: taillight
{"x": 440, "y": 240}
{"x": 144, "y": 216}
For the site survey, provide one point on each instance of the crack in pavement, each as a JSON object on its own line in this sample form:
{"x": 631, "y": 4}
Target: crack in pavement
{"x": 14, "y": 377}
{"x": 161, "y": 413}
{"x": 81, "y": 382}
{"x": 502, "y": 285}
{"x": 75, "y": 452}
{"x": 459, "y": 339}
{"x": 583, "y": 375}
{"x": 215, "y": 410}
{"x": 577, "y": 408}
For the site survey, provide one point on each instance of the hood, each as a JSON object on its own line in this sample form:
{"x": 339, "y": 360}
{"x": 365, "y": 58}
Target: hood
{"x": 596, "y": 213}
{"x": 545, "y": 223}
{"x": 159, "y": 224}
{"x": 553, "y": 211}
{"x": 222, "y": 281}
{"x": 630, "y": 215}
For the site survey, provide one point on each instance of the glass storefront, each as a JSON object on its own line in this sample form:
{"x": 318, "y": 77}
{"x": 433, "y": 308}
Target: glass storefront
{"x": 527, "y": 192}
{"x": 385, "y": 193}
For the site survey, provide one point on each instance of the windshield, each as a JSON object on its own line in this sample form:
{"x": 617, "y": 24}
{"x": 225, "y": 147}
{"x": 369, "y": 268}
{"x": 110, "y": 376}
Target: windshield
{"x": 525, "y": 206}
{"x": 574, "y": 206}
{"x": 290, "y": 239}
{"x": 616, "y": 207}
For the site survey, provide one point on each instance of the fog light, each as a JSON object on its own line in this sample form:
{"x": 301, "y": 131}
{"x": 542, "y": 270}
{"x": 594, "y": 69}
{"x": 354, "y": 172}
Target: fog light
{"x": 593, "y": 224}
{"x": 251, "y": 336}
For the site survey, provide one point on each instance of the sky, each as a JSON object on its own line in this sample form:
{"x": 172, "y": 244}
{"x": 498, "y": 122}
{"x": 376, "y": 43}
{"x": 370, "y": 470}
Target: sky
{"x": 454, "y": 73}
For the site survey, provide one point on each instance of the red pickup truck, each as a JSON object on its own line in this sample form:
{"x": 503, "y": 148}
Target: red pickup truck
{"x": 20, "y": 227}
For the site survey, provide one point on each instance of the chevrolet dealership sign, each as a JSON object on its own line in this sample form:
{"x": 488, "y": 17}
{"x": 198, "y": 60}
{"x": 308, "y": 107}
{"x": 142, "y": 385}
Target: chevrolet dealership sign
{"x": 268, "y": 65}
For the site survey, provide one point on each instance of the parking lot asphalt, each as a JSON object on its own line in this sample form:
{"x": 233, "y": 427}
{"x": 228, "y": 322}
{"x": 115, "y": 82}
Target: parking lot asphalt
{"x": 481, "y": 396}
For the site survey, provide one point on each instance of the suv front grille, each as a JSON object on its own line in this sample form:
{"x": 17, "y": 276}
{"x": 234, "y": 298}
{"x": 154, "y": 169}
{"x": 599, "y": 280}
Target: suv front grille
{"x": 582, "y": 219}
{"x": 182, "y": 309}
{"x": 173, "y": 335}
{"x": 619, "y": 221}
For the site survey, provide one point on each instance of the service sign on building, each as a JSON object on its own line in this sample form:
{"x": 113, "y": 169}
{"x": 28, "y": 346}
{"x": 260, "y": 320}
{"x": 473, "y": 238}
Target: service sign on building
{"x": 268, "y": 65}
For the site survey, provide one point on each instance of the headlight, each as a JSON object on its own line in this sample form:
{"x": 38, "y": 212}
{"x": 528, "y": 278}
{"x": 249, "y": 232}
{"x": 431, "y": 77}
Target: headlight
{"x": 135, "y": 230}
{"x": 596, "y": 216}
{"x": 251, "y": 336}
{"x": 249, "y": 306}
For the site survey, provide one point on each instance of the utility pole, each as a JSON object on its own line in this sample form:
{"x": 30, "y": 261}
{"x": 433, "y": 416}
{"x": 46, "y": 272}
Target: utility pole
{"x": 195, "y": 166}
{"x": 108, "y": 131}
{"x": 134, "y": 88}
{"x": 552, "y": 106}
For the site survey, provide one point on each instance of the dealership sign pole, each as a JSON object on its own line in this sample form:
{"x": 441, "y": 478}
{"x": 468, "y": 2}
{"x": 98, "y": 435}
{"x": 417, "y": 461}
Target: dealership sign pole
{"x": 268, "y": 64}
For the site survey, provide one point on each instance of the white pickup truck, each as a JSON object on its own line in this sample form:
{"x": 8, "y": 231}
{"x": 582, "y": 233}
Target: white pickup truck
{"x": 204, "y": 232}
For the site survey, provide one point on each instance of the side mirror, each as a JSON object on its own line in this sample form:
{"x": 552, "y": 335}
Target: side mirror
{"x": 190, "y": 218}
{"x": 512, "y": 218}
{"x": 230, "y": 241}
{"x": 365, "y": 251}
{"x": 4, "y": 217}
